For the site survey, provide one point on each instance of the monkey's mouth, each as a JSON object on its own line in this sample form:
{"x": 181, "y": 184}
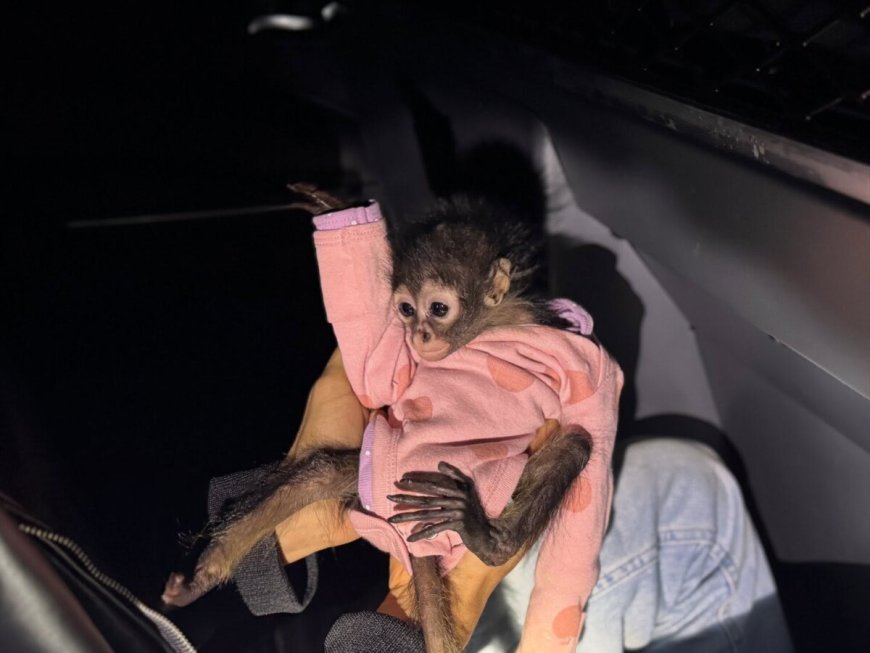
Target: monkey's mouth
{"x": 433, "y": 353}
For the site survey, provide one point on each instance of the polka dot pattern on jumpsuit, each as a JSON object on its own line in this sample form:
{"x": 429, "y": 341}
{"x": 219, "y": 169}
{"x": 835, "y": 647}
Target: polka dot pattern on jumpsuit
{"x": 567, "y": 622}
{"x": 417, "y": 410}
{"x": 507, "y": 376}
{"x": 580, "y": 495}
{"x": 579, "y": 385}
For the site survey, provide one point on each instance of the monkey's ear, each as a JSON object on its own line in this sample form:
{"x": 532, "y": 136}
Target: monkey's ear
{"x": 501, "y": 282}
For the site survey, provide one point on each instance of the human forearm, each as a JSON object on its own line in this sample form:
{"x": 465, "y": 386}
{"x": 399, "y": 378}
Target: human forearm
{"x": 333, "y": 415}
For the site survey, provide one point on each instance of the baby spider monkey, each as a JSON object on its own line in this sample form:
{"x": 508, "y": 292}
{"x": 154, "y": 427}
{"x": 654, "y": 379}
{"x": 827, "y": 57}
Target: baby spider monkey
{"x": 438, "y": 325}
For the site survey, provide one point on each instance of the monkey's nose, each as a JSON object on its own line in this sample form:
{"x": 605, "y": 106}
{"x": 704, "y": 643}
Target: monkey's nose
{"x": 425, "y": 336}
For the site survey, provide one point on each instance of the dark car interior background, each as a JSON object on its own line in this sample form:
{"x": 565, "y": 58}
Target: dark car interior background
{"x": 162, "y": 314}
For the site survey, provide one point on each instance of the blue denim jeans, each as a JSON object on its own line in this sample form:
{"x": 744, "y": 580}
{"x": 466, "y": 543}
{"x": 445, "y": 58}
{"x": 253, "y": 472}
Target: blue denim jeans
{"x": 682, "y": 568}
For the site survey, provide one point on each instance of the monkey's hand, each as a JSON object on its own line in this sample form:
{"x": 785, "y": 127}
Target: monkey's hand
{"x": 315, "y": 201}
{"x": 449, "y": 501}
{"x": 209, "y": 573}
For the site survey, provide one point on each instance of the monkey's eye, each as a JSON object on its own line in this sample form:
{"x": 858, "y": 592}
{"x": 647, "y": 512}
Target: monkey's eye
{"x": 406, "y": 309}
{"x": 438, "y": 309}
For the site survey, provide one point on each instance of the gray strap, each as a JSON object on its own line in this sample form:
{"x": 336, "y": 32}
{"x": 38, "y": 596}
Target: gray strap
{"x": 260, "y": 577}
{"x": 372, "y": 632}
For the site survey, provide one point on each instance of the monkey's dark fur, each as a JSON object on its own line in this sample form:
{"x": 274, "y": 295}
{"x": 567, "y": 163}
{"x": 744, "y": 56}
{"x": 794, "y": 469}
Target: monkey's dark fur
{"x": 455, "y": 245}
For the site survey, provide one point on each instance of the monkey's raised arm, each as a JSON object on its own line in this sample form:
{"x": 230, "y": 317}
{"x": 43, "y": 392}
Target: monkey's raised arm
{"x": 354, "y": 262}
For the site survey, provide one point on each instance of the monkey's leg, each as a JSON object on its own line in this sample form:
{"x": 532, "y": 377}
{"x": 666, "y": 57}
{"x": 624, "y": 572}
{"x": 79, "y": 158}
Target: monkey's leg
{"x": 432, "y": 593}
{"x": 323, "y": 474}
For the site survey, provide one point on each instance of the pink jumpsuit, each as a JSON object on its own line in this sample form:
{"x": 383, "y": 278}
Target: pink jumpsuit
{"x": 478, "y": 409}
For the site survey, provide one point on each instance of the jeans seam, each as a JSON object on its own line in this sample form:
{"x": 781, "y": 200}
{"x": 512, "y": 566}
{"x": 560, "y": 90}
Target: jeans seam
{"x": 648, "y": 556}
{"x": 727, "y": 622}
{"x": 626, "y": 570}
{"x": 639, "y": 562}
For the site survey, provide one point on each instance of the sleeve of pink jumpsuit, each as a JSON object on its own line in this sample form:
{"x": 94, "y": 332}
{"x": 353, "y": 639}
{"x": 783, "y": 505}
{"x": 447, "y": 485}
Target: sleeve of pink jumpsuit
{"x": 354, "y": 264}
{"x": 568, "y": 567}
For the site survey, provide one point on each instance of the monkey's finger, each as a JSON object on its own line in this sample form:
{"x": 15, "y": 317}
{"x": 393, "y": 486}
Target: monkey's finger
{"x": 434, "y": 529}
{"x": 453, "y": 472}
{"x": 429, "y": 477}
{"x": 321, "y": 198}
{"x": 431, "y": 488}
{"x": 425, "y": 515}
{"x": 435, "y": 498}
{"x": 307, "y": 207}
{"x": 411, "y": 499}
{"x": 302, "y": 187}
{"x": 326, "y": 200}
{"x": 442, "y": 503}
{"x": 314, "y": 195}
{"x": 439, "y": 479}
{"x": 429, "y": 503}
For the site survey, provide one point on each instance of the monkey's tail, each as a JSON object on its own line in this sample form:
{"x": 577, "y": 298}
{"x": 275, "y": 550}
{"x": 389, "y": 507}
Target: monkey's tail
{"x": 432, "y": 600}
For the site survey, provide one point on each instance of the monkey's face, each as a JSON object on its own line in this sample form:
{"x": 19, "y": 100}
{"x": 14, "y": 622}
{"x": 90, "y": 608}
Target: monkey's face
{"x": 441, "y": 318}
{"x": 429, "y": 316}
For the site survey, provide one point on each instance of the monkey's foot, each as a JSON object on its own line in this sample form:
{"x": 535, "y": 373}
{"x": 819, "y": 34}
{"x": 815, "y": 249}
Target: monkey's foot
{"x": 180, "y": 592}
